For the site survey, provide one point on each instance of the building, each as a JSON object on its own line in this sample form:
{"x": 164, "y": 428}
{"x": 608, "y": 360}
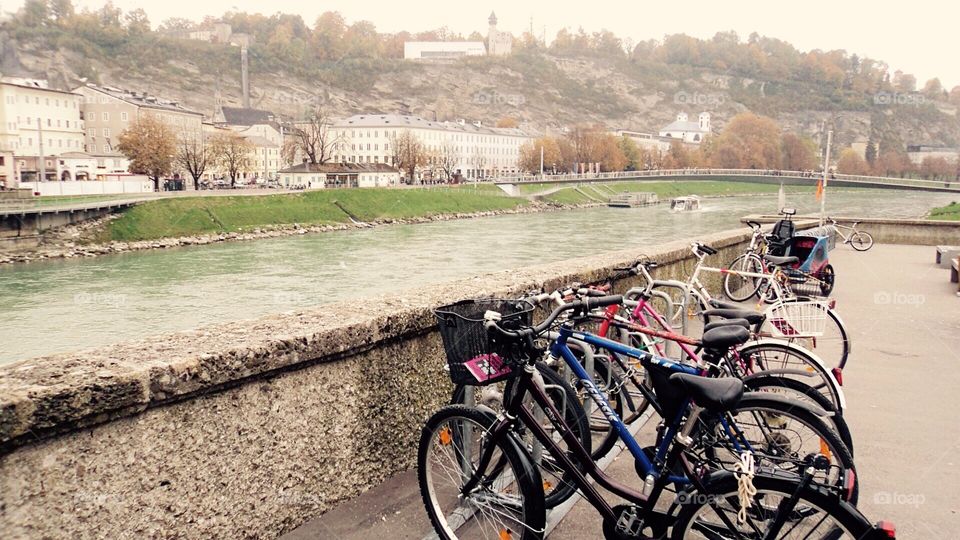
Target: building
{"x": 461, "y": 149}
{"x": 498, "y": 43}
{"x": 8, "y": 171}
{"x": 440, "y": 50}
{"x": 336, "y": 175}
{"x": 29, "y": 112}
{"x": 264, "y": 162}
{"x": 683, "y": 129}
{"x": 251, "y": 122}
{"x": 647, "y": 141}
{"x": 918, "y": 152}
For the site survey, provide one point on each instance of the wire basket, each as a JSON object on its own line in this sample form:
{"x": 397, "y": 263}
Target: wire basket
{"x": 474, "y": 356}
{"x": 798, "y": 318}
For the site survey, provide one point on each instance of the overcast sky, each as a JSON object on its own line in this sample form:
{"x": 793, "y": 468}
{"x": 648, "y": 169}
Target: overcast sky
{"x": 919, "y": 36}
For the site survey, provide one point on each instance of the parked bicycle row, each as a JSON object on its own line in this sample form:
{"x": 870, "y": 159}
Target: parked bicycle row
{"x": 750, "y": 440}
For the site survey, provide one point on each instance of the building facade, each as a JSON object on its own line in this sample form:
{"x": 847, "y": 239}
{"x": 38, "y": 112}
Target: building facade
{"x": 498, "y": 43}
{"x": 29, "y": 112}
{"x": 461, "y": 149}
{"x": 687, "y": 131}
{"x": 339, "y": 175}
{"x": 440, "y": 50}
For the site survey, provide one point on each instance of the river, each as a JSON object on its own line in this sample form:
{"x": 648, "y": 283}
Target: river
{"x": 66, "y": 305}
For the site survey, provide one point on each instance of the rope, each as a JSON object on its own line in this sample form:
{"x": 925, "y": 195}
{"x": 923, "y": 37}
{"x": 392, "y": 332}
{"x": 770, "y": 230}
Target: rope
{"x": 745, "y": 489}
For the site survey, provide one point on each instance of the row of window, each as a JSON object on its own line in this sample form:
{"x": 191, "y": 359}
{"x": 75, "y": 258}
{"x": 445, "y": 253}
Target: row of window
{"x": 67, "y": 103}
{"x": 29, "y": 123}
{"x": 93, "y": 132}
{"x": 105, "y": 116}
{"x": 61, "y": 143}
{"x": 428, "y": 135}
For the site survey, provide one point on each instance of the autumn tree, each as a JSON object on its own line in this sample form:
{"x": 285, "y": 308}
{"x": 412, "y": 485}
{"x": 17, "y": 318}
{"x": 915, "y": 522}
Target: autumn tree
{"x": 447, "y": 159}
{"x": 935, "y": 168}
{"x": 851, "y": 162}
{"x": 678, "y": 156}
{"x": 632, "y": 153}
{"x": 799, "y": 153}
{"x": 609, "y": 154}
{"x": 409, "y": 153}
{"x": 232, "y": 153}
{"x": 530, "y": 155}
{"x": 193, "y": 156}
{"x": 749, "y": 141}
{"x": 151, "y": 147}
{"x": 314, "y": 138}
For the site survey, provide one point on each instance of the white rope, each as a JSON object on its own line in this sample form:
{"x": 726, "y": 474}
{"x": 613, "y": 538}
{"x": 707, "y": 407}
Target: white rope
{"x": 745, "y": 488}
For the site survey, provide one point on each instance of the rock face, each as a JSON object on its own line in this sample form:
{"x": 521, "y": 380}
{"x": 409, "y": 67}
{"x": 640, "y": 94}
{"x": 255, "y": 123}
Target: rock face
{"x": 63, "y": 243}
{"x": 244, "y": 430}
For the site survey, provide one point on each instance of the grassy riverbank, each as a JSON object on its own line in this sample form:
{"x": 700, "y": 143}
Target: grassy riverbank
{"x": 951, "y": 212}
{"x": 187, "y": 216}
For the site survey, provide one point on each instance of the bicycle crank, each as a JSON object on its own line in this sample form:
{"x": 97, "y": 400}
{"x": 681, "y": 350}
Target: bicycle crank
{"x": 628, "y": 525}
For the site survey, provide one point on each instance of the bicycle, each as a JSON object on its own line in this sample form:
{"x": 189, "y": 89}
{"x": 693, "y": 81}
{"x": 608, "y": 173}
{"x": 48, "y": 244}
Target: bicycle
{"x": 858, "y": 240}
{"x": 479, "y": 483}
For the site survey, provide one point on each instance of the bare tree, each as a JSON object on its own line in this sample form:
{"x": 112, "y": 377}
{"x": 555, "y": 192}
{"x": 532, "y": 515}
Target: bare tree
{"x": 480, "y": 160}
{"x": 313, "y": 137}
{"x": 232, "y": 152}
{"x": 194, "y": 156}
{"x": 448, "y": 158}
{"x": 409, "y": 153}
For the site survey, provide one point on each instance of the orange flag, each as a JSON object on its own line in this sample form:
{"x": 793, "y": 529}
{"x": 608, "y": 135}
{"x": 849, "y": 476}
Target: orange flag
{"x": 819, "y": 189}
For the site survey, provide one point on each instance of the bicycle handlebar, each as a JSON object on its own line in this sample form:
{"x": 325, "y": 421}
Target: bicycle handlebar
{"x": 753, "y": 224}
{"x": 585, "y": 304}
{"x": 701, "y": 247}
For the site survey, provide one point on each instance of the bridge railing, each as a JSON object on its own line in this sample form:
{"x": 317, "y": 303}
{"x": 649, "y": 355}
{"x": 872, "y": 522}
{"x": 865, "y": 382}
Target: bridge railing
{"x": 813, "y": 176}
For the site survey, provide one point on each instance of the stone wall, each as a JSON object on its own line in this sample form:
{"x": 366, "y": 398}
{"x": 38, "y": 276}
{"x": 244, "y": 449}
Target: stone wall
{"x": 249, "y": 429}
{"x": 917, "y": 232}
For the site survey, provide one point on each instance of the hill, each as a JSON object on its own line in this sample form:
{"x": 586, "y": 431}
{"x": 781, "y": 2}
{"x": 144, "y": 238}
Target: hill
{"x": 578, "y": 78}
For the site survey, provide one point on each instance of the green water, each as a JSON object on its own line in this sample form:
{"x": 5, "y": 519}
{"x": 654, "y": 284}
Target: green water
{"x": 62, "y": 306}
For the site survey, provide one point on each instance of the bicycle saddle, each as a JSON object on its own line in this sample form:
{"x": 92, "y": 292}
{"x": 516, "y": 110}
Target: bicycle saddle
{"x": 727, "y": 322}
{"x": 753, "y": 317}
{"x": 780, "y": 261}
{"x": 724, "y": 337}
{"x": 717, "y": 395}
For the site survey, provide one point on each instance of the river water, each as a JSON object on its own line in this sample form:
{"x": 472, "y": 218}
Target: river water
{"x": 65, "y": 305}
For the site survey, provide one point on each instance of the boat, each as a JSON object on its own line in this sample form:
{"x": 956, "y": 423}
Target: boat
{"x": 685, "y": 204}
{"x": 630, "y": 200}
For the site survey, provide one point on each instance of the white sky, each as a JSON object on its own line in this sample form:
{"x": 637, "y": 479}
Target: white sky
{"x": 918, "y": 37}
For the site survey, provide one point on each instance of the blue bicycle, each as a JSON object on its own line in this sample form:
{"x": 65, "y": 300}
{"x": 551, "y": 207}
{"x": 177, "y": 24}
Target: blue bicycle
{"x": 478, "y": 479}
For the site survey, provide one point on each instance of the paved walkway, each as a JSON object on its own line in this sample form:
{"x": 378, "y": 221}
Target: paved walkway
{"x": 903, "y": 393}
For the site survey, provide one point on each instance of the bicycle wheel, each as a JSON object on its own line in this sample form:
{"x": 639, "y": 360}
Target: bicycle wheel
{"x": 834, "y": 345}
{"x": 798, "y": 390}
{"x": 742, "y": 288}
{"x": 817, "y": 514}
{"x": 557, "y": 485}
{"x": 784, "y": 433}
{"x": 861, "y": 241}
{"x": 507, "y": 503}
{"x": 789, "y": 361}
{"x": 827, "y": 278}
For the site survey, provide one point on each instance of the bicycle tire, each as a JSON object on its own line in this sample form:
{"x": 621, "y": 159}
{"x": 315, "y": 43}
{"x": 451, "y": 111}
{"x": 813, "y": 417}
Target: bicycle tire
{"x": 865, "y": 241}
{"x": 771, "y": 354}
{"x": 522, "y": 478}
{"x": 721, "y": 489}
{"x": 747, "y": 262}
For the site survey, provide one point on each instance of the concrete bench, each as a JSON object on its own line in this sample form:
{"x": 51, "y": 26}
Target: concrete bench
{"x": 945, "y": 254}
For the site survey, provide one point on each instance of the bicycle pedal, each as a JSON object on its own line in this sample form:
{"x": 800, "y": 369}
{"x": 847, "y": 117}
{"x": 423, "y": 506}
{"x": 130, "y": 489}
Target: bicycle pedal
{"x": 626, "y": 524}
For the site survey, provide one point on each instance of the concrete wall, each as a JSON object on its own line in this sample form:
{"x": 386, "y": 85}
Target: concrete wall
{"x": 244, "y": 430}
{"x": 918, "y": 232}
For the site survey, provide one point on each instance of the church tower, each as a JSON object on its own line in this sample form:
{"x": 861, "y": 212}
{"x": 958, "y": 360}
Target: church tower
{"x": 498, "y": 43}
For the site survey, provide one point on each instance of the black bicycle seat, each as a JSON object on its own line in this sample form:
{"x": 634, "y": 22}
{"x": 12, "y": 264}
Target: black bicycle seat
{"x": 717, "y": 395}
{"x": 726, "y": 322}
{"x": 753, "y": 317}
{"x": 780, "y": 261}
{"x": 724, "y": 337}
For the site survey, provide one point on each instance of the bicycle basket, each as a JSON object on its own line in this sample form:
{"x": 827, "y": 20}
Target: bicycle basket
{"x": 473, "y": 357}
{"x": 798, "y": 318}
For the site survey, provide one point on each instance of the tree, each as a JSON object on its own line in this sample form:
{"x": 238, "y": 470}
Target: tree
{"x": 530, "y": 155}
{"x": 314, "y": 139}
{"x": 232, "y": 153}
{"x": 933, "y": 89}
{"x": 799, "y": 153}
{"x": 408, "y": 153}
{"x": 870, "y": 154}
{"x": 907, "y": 83}
{"x": 632, "y": 153}
{"x": 749, "y": 141}
{"x": 194, "y": 157}
{"x": 850, "y": 162}
{"x": 448, "y": 158}
{"x": 150, "y": 145}
{"x": 936, "y": 168}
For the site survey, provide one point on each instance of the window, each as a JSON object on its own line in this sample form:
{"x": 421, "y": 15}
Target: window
{"x": 92, "y": 132}
{"x": 106, "y": 116}
{"x": 123, "y": 116}
{"x": 49, "y": 122}
{"x": 106, "y": 132}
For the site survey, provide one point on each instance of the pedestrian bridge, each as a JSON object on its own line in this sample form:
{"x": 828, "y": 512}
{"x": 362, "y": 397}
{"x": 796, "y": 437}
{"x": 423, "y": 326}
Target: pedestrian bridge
{"x": 511, "y": 185}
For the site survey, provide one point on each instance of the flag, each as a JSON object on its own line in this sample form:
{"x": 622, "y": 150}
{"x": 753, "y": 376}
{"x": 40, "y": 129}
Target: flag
{"x": 819, "y": 189}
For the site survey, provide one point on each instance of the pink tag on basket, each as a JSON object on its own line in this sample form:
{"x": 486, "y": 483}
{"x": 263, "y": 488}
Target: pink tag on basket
{"x": 487, "y": 366}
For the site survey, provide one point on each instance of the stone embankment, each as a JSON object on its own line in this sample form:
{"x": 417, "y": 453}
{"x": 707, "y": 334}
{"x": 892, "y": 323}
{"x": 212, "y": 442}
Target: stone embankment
{"x": 72, "y": 242}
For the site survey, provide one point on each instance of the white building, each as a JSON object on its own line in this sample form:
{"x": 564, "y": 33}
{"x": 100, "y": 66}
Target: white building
{"x": 340, "y": 175}
{"x": 648, "y": 141}
{"x": 498, "y": 43}
{"x": 918, "y": 152}
{"x": 28, "y": 108}
{"x": 438, "y": 50}
{"x": 469, "y": 150}
{"x": 687, "y": 131}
